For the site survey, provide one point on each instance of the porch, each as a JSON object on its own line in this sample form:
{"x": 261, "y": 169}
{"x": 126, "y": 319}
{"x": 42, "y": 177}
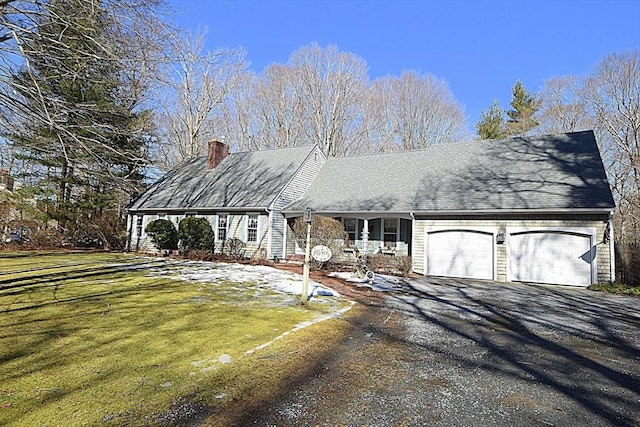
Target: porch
{"x": 370, "y": 236}
{"x": 389, "y": 236}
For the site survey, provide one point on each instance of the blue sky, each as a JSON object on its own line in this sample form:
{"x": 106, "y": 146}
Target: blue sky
{"x": 479, "y": 47}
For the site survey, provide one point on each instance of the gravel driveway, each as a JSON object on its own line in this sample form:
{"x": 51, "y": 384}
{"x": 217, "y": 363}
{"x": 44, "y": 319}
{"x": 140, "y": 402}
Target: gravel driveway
{"x": 443, "y": 352}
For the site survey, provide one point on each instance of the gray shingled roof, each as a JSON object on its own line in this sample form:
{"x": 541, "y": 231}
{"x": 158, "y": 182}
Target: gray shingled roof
{"x": 554, "y": 172}
{"x": 242, "y": 180}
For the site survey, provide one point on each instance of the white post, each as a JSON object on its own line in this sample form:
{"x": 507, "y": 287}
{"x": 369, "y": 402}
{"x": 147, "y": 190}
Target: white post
{"x": 305, "y": 274}
{"x": 365, "y": 237}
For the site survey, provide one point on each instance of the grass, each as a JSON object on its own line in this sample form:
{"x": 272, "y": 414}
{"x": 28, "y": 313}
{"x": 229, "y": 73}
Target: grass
{"x": 112, "y": 339}
{"x": 616, "y": 288}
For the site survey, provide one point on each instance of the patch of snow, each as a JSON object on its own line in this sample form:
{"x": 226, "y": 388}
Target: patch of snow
{"x": 278, "y": 280}
{"x": 381, "y": 282}
{"x": 225, "y": 358}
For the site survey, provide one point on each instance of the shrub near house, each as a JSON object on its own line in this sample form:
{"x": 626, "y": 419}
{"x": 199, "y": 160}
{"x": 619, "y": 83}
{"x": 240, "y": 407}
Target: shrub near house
{"x": 195, "y": 234}
{"x": 163, "y": 234}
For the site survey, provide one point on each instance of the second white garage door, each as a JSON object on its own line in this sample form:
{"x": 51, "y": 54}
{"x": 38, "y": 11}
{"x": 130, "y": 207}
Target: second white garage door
{"x": 558, "y": 257}
{"x": 460, "y": 253}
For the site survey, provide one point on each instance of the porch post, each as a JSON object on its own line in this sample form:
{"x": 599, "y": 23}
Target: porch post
{"x": 365, "y": 237}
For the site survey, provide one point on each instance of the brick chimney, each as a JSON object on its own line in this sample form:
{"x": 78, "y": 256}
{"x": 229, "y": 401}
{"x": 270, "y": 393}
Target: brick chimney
{"x": 218, "y": 150}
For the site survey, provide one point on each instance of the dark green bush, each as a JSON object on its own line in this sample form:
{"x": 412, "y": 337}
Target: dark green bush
{"x": 195, "y": 233}
{"x": 163, "y": 234}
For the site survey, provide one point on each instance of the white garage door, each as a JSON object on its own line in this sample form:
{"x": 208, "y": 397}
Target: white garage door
{"x": 460, "y": 253}
{"x": 551, "y": 257}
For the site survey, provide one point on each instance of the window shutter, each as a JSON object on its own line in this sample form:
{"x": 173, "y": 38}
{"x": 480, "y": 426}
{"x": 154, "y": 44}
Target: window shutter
{"x": 242, "y": 227}
{"x": 261, "y": 228}
{"x": 232, "y": 228}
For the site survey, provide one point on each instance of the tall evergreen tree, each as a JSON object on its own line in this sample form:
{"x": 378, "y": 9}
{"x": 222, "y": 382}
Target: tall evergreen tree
{"x": 492, "y": 123}
{"x": 79, "y": 124}
{"x": 524, "y": 106}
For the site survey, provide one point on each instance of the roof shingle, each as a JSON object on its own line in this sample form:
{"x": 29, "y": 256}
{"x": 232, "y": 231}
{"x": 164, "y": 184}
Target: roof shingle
{"x": 554, "y": 172}
{"x": 242, "y": 180}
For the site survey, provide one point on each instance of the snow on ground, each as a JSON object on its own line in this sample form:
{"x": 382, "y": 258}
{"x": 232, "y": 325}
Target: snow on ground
{"x": 261, "y": 276}
{"x": 380, "y": 282}
{"x": 278, "y": 280}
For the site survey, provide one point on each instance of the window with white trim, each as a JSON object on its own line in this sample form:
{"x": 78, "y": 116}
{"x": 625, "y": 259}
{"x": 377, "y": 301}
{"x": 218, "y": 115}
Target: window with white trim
{"x": 350, "y": 225}
{"x": 390, "y": 228}
{"x": 252, "y": 228}
{"x": 139, "y": 226}
{"x": 222, "y": 227}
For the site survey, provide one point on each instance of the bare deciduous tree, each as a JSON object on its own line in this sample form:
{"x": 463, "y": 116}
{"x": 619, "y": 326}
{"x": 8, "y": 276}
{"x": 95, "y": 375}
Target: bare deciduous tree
{"x": 612, "y": 94}
{"x": 332, "y": 85}
{"x": 195, "y": 86}
{"x": 562, "y": 109}
{"x": 279, "y": 110}
{"x": 412, "y": 112}
{"x": 237, "y": 120}
{"x": 323, "y": 96}
{"x": 316, "y": 98}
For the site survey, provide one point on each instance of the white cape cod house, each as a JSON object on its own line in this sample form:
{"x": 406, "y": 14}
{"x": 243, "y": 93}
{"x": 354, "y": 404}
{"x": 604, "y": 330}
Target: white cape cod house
{"x": 523, "y": 209}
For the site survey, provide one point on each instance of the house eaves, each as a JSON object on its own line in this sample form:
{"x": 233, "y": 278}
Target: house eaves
{"x": 448, "y": 213}
{"x": 201, "y": 209}
{"x": 562, "y": 211}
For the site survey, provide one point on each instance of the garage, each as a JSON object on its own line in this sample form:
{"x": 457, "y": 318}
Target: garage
{"x": 460, "y": 253}
{"x": 565, "y": 257}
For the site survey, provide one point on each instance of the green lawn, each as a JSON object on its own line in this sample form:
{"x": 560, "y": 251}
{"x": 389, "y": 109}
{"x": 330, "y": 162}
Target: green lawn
{"x": 113, "y": 339}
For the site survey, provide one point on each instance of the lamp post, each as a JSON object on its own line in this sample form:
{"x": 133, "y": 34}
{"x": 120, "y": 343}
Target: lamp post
{"x": 309, "y": 216}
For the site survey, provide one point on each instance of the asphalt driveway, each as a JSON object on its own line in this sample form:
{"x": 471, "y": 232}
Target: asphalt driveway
{"x": 443, "y": 352}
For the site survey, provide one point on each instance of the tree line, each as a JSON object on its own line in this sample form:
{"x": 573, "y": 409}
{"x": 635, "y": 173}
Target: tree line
{"x": 96, "y": 95}
{"x": 320, "y": 96}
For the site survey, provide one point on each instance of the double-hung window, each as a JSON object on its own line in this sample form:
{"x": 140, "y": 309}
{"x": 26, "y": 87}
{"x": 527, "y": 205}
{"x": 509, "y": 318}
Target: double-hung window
{"x": 222, "y": 227}
{"x": 139, "y": 225}
{"x": 350, "y": 225}
{"x": 390, "y": 230}
{"x": 252, "y": 228}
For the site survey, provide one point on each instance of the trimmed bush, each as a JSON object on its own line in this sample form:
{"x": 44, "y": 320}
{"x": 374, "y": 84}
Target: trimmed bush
{"x": 163, "y": 234}
{"x": 195, "y": 233}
